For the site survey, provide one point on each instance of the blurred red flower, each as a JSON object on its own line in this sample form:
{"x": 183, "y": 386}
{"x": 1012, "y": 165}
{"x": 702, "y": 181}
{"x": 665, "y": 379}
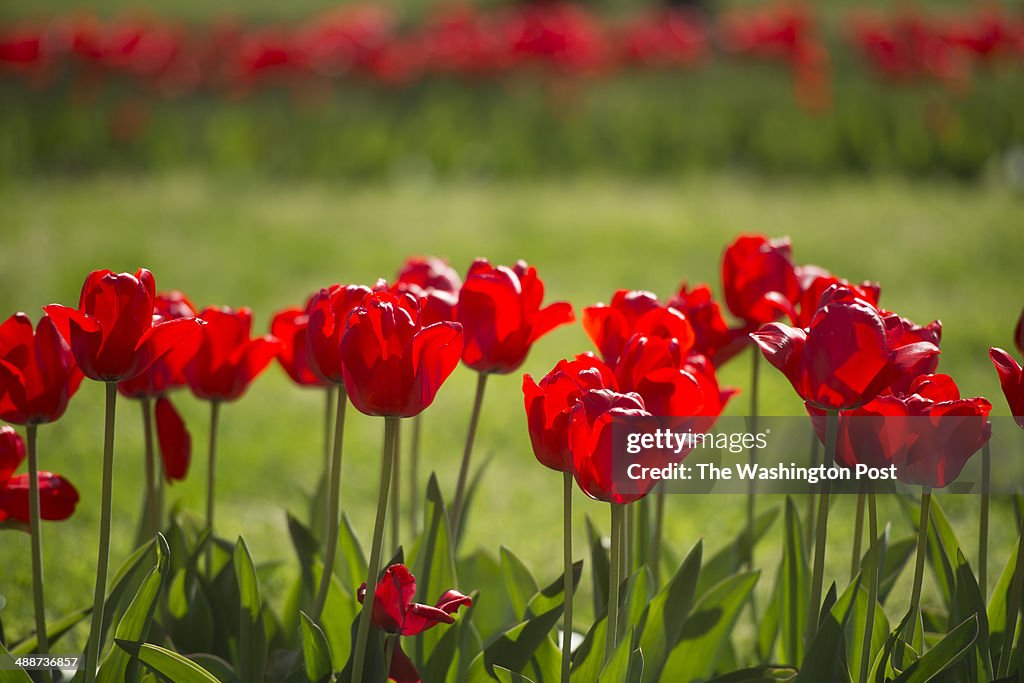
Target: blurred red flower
{"x": 435, "y": 283}
{"x": 1011, "y": 379}
{"x": 228, "y": 360}
{"x": 393, "y": 365}
{"x": 114, "y": 334}
{"x": 501, "y": 315}
{"x": 57, "y": 497}
{"x": 759, "y": 279}
{"x": 38, "y": 375}
{"x": 291, "y": 327}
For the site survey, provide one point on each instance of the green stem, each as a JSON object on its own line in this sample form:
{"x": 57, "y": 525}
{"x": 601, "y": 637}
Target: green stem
{"x": 858, "y": 533}
{"x": 396, "y": 500}
{"x": 628, "y": 541}
{"x": 36, "y": 536}
{"x": 821, "y": 533}
{"x": 567, "y": 577}
{"x": 922, "y": 550}
{"x": 614, "y": 579}
{"x": 815, "y": 449}
{"x": 1012, "y": 605}
{"x": 387, "y": 465}
{"x": 152, "y": 522}
{"x": 642, "y": 533}
{"x": 986, "y": 485}
{"x": 333, "y": 508}
{"x": 390, "y": 642}
{"x": 755, "y": 374}
{"x": 329, "y": 418}
{"x": 869, "y": 622}
{"x": 92, "y": 650}
{"x": 414, "y": 476}
{"x": 460, "y": 489}
{"x": 211, "y": 480}
{"x": 659, "y": 525}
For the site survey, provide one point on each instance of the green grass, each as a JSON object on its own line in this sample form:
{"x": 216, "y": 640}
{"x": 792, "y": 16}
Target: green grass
{"x": 940, "y": 250}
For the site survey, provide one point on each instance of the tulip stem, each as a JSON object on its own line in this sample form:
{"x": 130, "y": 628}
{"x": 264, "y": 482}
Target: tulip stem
{"x": 396, "y": 483}
{"x": 869, "y": 621}
{"x": 211, "y": 480}
{"x": 333, "y": 508}
{"x": 659, "y": 525}
{"x": 460, "y": 489}
{"x": 390, "y": 642}
{"x": 612, "y": 625}
{"x": 414, "y": 475}
{"x": 92, "y": 650}
{"x": 387, "y": 465}
{"x": 986, "y": 485}
{"x": 643, "y": 533}
{"x": 815, "y": 448}
{"x": 922, "y": 549}
{"x": 151, "y": 522}
{"x": 821, "y": 533}
{"x": 36, "y": 535}
{"x": 1012, "y": 605}
{"x": 628, "y": 533}
{"x": 567, "y": 576}
{"x": 329, "y": 418}
{"x": 858, "y": 533}
{"x": 755, "y": 366}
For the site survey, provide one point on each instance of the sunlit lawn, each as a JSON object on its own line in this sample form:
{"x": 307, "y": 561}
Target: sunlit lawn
{"x": 939, "y": 250}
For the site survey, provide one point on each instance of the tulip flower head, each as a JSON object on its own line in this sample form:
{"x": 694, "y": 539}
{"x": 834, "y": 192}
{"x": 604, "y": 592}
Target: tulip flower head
{"x": 57, "y": 497}
{"x": 1018, "y": 335}
{"x": 501, "y": 315}
{"x": 844, "y": 358}
{"x": 38, "y": 375}
{"x": 712, "y": 336}
{"x": 114, "y": 334}
{"x": 1011, "y": 379}
{"x": 328, "y": 312}
{"x": 630, "y": 313}
{"x": 395, "y": 613}
{"x": 435, "y": 283}
{"x": 814, "y": 281}
{"x": 228, "y": 360}
{"x": 550, "y": 401}
{"x": 291, "y": 327}
{"x": 392, "y": 364}
{"x": 759, "y": 279}
{"x": 592, "y": 444}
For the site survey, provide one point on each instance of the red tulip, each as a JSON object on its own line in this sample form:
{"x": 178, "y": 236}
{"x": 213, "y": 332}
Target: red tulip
{"x": 654, "y": 368}
{"x": 1011, "y": 379}
{"x": 1018, "y": 336}
{"x": 168, "y": 371}
{"x": 902, "y": 332}
{"x": 328, "y": 312}
{"x": 712, "y": 336}
{"x": 394, "y": 612}
{"x": 57, "y": 497}
{"x": 633, "y": 312}
{"x": 113, "y": 333}
{"x": 435, "y": 283}
{"x": 228, "y": 360}
{"x": 291, "y": 328}
{"x": 550, "y": 402}
{"x": 759, "y": 279}
{"x": 38, "y": 374}
{"x": 814, "y": 281}
{"x": 174, "y": 439}
{"x": 393, "y": 366}
{"x": 928, "y": 433}
{"x": 499, "y": 309}
{"x": 591, "y": 423}
{"x": 844, "y": 358}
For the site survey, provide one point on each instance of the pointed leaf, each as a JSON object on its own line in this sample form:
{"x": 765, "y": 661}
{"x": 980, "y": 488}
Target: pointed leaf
{"x": 168, "y": 664}
{"x": 519, "y": 581}
{"x": 316, "y": 653}
{"x": 826, "y": 656}
{"x": 663, "y": 620}
{"x": 945, "y": 653}
{"x": 252, "y": 636}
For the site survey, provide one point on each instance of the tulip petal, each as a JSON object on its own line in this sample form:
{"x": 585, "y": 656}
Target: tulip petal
{"x": 550, "y": 317}
{"x": 402, "y": 669}
{"x": 57, "y": 497}
{"x": 159, "y": 340}
{"x": 12, "y": 452}
{"x": 434, "y": 352}
{"x": 174, "y": 439}
{"x": 781, "y": 346}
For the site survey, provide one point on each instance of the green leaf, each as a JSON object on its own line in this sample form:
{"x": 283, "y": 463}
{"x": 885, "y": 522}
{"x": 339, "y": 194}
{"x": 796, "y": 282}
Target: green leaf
{"x": 997, "y": 606}
{"x": 662, "y": 621}
{"x": 599, "y": 567}
{"x": 758, "y": 674}
{"x": 882, "y": 665}
{"x": 54, "y": 629}
{"x": 480, "y": 571}
{"x": 316, "y": 652}
{"x": 514, "y": 648}
{"x": 588, "y": 659}
{"x": 168, "y": 664}
{"x": 340, "y": 611}
{"x": 622, "y": 666}
{"x": 506, "y": 676}
{"x": 730, "y": 559}
{"x": 826, "y": 656}
{"x": 895, "y": 556}
{"x": 433, "y": 560}
{"x": 855, "y": 631}
{"x": 705, "y": 634}
{"x": 792, "y": 598}
{"x": 948, "y": 651}
{"x": 216, "y": 666}
{"x": 967, "y": 602}
{"x": 546, "y": 664}
{"x": 471, "y": 489}
{"x": 552, "y": 596}
{"x": 252, "y": 635}
{"x": 351, "y": 572}
{"x": 639, "y": 591}
{"x": 117, "y": 666}
{"x": 519, "y": 581}
{"x": 437, "y": 666}
{"x": 9, "y": 673}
